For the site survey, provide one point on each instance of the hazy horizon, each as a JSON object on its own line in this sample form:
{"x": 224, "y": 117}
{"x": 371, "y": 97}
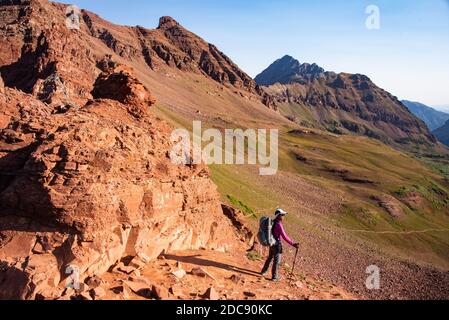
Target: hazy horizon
{"x": 407, "y": 56}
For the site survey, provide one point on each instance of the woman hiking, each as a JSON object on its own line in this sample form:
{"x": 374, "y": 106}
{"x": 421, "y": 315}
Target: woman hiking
{"x": 276, "y": 250}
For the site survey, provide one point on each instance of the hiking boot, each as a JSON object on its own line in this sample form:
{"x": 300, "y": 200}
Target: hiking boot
{"x": 275, "y": 279}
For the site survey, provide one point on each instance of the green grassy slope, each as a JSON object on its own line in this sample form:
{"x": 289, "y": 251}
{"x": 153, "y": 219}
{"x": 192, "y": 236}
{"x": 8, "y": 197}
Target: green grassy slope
{"x": 358, "y": 171}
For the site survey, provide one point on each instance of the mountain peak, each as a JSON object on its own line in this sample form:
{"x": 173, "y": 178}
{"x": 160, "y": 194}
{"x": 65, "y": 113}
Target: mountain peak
{"x": 167, "y": 22}
{"x": 288, "y": 70}
{"x": 288, "y": 58}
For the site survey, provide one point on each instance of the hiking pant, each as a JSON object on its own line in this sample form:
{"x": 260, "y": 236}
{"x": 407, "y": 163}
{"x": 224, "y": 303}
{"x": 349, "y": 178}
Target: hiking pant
{"x": 276, "y": 255}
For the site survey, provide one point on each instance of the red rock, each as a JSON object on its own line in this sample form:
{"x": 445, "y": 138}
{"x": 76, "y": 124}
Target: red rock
{"x": 84, "y": 296}
{"x": 236, "y": 278}
{"x": 137, "y": 285}
{"x": 177, "y": 292}
{"x": 179, "y": 274}
{"x": 137, "y": 263}
{"x": 125, "y": 269}
{"x": 199, "y": 272}
{"x": 97, "y": 293}
{"x": 211, "y": 294}
{"x": 24, "y": 279}
{"x": 136, "y": 273}
{"x": 97, "y": 181}
{"x": 93, "y": 282}
{"x": 19, "y": 246}
{"x": 121, "y": 85}
{"x": 121, "y": 290}
{"x": 160, "y": 293}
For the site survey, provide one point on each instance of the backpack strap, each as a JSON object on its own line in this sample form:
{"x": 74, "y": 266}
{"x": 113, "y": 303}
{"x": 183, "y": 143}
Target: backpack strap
{"x": 275, "y": 223}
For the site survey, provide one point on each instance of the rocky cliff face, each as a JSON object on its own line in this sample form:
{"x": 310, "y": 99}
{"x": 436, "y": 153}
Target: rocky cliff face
{"x": 41, "y": 57}
{"x": 85, "y": 174}
{"x": 342, "y": 103}
{"x": 40, "y": 52}
{"x": 174, "y": 46}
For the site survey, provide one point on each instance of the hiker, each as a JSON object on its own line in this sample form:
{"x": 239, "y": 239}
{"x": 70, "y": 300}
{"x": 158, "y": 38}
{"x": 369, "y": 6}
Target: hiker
{"x": 276, "y": 249}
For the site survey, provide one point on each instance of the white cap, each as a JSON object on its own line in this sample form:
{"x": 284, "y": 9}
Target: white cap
{"x": 280, "y": 212}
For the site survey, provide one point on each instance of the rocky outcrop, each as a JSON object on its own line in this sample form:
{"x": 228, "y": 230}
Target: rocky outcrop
{"x": 90, "y": 186}
{"x": 117, "y": 82}
{"x": 342, "y": 103}
{"x": 85, "y": 174}
{"x": 237, "y": 220}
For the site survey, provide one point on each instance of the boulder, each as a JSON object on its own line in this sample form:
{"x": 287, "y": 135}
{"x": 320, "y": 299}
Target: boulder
{"x": 138, "y": 286}
{"x": 236, "y": 278}
{"x": 126, "y": 269}
{"x": 200, "y": 272}
{"x": 136, "y": 273}
{"x": 121, "y": 85}
{"x": 93, "y": 282}
{"x": 137, "y": 263}
{"x": 176, "y": 292}
{"x": 26, "y": 278}
{"x": 97, "y": 293}
{"x": 179, "y": 274}
{"x": 390, "y": 204}
{"x": 121, "y": 290}
{"x": 211, "y": 294}
{"x": 160, "y": 293}
{"x": 85, "y": 296}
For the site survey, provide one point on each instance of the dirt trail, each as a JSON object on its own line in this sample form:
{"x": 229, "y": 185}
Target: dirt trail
{"x": 232, "y": 275}
{"x": 396, "y": 232}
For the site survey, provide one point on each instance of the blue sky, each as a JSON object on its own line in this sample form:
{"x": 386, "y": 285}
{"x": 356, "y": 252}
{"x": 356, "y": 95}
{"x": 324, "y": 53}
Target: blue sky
{"x": 408, "y": 55}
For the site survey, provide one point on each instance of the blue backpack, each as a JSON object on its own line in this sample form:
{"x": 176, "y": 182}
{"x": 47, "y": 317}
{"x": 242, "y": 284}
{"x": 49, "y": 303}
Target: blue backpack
{"x": 265, "y": 234}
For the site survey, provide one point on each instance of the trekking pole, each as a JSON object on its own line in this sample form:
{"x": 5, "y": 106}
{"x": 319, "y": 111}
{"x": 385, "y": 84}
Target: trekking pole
{"x": 294, "y": 262}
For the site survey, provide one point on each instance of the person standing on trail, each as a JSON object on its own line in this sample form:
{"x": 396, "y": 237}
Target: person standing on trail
{"x": 277, "y": 250}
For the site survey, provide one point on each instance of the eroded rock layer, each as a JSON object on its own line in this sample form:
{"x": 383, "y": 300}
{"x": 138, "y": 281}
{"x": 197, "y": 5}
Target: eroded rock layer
{"x": 85, "y": 174}
{"x": 90, "y": 186}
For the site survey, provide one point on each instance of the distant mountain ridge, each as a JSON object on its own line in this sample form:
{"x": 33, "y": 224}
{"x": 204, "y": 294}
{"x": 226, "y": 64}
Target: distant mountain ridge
{"x": 443, "y": 133}
{"x": 342, "y": 103}
{"x": 287, "y": 70}
{"x": 433, "y": 118}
